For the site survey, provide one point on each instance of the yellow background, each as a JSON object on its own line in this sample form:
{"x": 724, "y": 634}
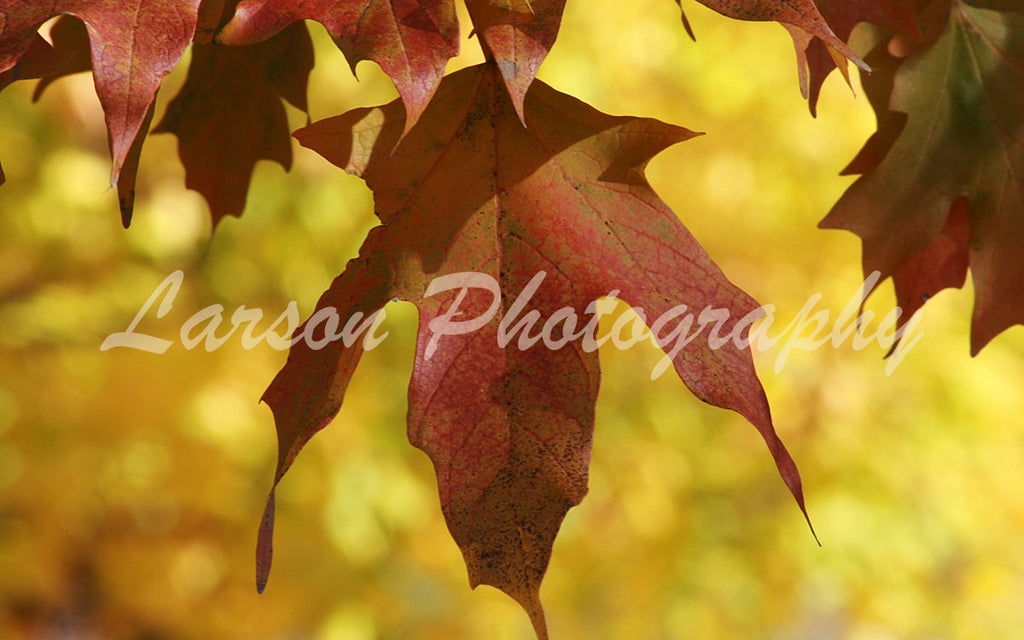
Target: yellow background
{"x": 131, "y": 484}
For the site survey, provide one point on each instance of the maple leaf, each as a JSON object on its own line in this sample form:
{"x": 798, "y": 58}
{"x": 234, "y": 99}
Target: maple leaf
{"x": 469, "y": 190}
{"x": 134, "y": 45}
{"x": 962, "y": 136}
{"x": 517, "y": 35}
{"x": 229, "y": 114}
{"x": 801, "y": 19}
{"x": 411, "y": 40}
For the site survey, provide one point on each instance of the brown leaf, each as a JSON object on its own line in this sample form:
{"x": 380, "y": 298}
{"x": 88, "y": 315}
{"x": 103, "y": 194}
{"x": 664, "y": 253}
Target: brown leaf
{"x": 964, "y": 107}
{"x": 229, "y": 114}
{"x": 411, "y": 40}
{"x": 509, "y": 429}
{"x": 877, "y": 87}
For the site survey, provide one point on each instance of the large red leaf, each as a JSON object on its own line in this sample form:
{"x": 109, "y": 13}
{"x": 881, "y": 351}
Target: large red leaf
{"x": 962, "y": 98}
{"x": 517, "y": 34}
{"x": 229, "y": 114}
{"x": 134, "y": 44}
{"x": 411, "y": 40}
{"x": 470, "y": 190}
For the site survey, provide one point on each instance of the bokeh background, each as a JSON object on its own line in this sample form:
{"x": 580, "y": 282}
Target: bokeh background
{"x": 131, "y": 484}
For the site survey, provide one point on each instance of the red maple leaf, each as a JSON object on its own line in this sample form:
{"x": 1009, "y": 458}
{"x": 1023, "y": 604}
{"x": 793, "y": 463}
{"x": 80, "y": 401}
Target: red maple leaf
{"x": 951, "y": 128}
{"x": 469, "y": 190}
{"x": 134, "y": 44}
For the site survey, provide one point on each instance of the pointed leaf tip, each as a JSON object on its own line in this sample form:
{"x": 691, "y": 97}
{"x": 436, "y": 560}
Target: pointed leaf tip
{"x": 517, "y": 35}
{"x": 127, "y": 205}
{"x": 265, "y": 545}
{"x": 811, "y": 527}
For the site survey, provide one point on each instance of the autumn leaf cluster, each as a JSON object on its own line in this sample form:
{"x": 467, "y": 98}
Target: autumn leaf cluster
{"x": 490, "y": 171}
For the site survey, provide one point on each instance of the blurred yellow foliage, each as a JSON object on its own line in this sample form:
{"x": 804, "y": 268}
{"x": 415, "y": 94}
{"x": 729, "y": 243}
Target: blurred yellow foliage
{"x": 131, "y": 483}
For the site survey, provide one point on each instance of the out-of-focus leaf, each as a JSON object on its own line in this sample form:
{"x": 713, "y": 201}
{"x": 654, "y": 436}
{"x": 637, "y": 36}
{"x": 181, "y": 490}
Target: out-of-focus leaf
{"x": 963, "y": 103}
{"x": 229, "y": 114}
